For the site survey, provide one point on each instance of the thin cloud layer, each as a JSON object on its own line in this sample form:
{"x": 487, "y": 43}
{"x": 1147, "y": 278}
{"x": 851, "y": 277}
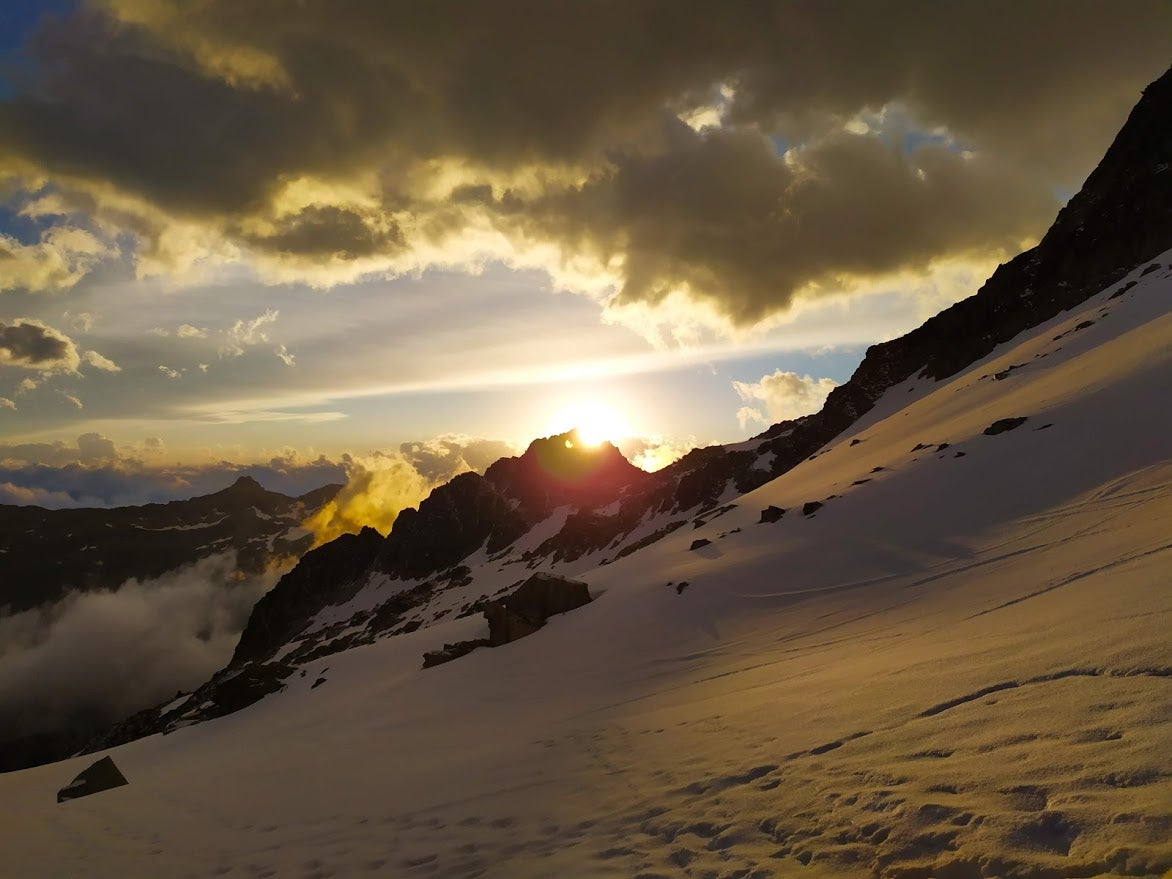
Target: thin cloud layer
{"x": 737, "y": 160}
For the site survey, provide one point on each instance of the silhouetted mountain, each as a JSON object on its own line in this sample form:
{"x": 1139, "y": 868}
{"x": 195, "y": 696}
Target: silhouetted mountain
{"x": 45, "y": 554}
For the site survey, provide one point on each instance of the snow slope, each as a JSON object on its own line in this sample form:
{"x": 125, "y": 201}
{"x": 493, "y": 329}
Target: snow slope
{"x": 959, "y": 666}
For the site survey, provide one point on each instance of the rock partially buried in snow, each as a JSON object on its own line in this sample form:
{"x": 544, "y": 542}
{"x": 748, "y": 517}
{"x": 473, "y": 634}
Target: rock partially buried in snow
{"x": 546, "y": 595}
{"x": 699, "y": 543}
{"x": 100, "y": 776}
{"x": 811, "y": 507}
{"x": 771, "y": 514}
{"x": 520, "y": 614}
{"x": 1004, "y": 424}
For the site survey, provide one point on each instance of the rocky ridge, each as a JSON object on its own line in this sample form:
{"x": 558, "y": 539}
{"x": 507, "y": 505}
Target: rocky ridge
{"x": 1121, "y": 218}
{"x": 44, "y": 554}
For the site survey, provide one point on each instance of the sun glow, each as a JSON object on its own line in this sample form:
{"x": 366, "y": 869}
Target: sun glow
{"x": 595, "y": 422}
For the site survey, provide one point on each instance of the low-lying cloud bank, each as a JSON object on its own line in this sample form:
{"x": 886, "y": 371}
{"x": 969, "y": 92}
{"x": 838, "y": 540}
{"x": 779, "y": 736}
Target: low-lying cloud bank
{"x": 95, "y": 657}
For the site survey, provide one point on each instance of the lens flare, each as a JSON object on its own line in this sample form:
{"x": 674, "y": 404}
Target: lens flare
{"x": 594, "y": 421}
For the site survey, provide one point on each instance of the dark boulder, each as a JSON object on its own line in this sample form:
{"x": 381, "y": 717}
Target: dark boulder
{"x": 1003, "y": 425}
{"x": 100, "y": 776}
{"x": 771, "y": 514}
{"x": 699, "y": 544}
{"x": 545, "y": 595}
{"x": 536, "y": 600}
{"x": 811, "y": 507}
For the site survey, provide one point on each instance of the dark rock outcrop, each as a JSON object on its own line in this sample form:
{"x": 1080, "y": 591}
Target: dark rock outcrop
{"x": 809, "y": 508}
{"x": 328, "y": 574}
{"x": 519, "y": 615}
{"x": 1120, "y": 218}
{"x": 771, "y": 514}
{"x": 699, "y": 543}
{"x": 98, "y": 777}
{"x": 1003, "y": 425}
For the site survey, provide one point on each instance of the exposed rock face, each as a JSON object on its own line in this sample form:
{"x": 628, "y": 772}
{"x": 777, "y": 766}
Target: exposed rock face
{"x": 519, "y": 615}
{"x": 1121, "y": 218}
{"x": 562, "y": 470}
{"x": 100, "y": 776}
{"x": 46, "y": 553}
{"x": 545, "y": 595}
{"x": 331, "y": 571}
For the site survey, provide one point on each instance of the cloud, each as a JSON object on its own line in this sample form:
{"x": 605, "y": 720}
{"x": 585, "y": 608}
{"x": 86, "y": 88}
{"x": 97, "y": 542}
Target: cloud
{"x": 72, "y": 399}
{"x": 653, "y": 453}
{"x": 95, "y": 473}
{"x": 245, "y": 333}
{"x": 378, "y": 487}
{"x": 30, "y": 344}
{"x": 93, "y": 447}
{"x": 97, "y": 361}
{"x": 60, "y": 258}
{"x": 187, "y": 331}
{"x": 781, "y": 396}
{"x": 704, "y": 167}
{"x": 68, "y": 662}
{"x": 442, "y": 457}
{"x": 169, "y": 372}
{"x": 5, "y": 403}
{"x": 284, "y": 356}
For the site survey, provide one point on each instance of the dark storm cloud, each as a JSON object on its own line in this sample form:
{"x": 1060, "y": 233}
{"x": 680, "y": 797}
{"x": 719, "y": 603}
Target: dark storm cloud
{"x": 556, "y": 124}
{"x": 31, "y": 344}
{"x": 324, "y": 231}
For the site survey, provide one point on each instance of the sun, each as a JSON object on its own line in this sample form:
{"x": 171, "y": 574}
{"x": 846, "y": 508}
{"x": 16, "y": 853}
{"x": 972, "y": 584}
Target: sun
{"x": 596, "y": 422}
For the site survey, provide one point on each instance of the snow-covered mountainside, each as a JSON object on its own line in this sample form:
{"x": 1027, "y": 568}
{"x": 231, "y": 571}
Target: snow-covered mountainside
{"x": 922, "y": 633}
{"x": 958, "y": 665}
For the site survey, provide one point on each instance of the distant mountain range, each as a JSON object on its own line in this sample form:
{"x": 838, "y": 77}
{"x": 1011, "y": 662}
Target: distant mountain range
{"x": 569, "y": 508}
{"x": 45, "y": 554}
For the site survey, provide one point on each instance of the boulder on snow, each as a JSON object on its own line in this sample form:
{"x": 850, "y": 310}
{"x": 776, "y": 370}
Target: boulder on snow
{"x": 771, "y": 514}
{"x": 519, "y": 615}
{"x": 100, "y": 776}
{"x": 536, "y": 600}
{"x": 546, "y": 595}
{"x": 699, "y": 543}
{"x": 1004, "y": 424}
{"x": 811, "y": 507}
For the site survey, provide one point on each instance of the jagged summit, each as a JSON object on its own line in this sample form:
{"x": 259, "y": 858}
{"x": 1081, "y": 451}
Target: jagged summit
{"x": 563, "y": 469}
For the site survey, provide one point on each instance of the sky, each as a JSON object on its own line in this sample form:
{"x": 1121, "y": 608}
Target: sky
{"x": 306, "y": 239}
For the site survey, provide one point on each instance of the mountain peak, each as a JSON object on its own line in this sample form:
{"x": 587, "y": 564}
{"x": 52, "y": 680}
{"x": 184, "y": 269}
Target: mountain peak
{"x": 562, "y": 469}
